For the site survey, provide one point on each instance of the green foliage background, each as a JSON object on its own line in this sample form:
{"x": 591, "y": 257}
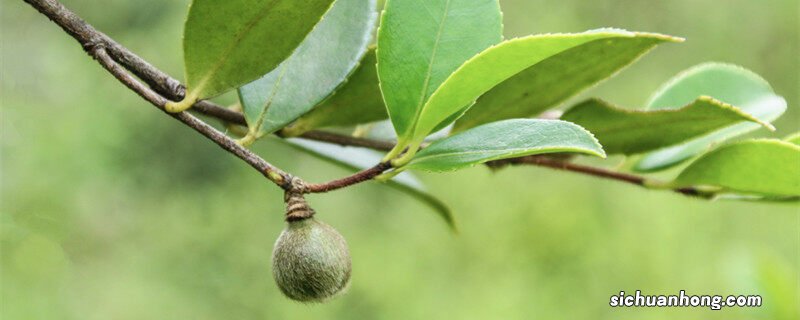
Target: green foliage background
{"x": 111, "y": 210}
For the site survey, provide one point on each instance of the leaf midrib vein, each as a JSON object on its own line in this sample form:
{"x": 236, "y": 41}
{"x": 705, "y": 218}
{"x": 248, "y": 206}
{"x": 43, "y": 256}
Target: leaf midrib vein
{"x": 424, "y": 92}
{"x": 275, "y": 88}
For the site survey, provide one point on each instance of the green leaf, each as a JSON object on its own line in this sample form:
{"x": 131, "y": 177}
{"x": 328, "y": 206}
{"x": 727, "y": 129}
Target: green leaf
{"x": 321, "y": 63}
{"x": 793, "y": 138}
{"x": 634, "y": 131}
{"x": 505, "y": 139}
{"x": 421, "y": 42}
{"x": 728, "y": 83}
{"x": 356, "y": 159}
{"x": 768, "y": 167}
{"x": 556, "y": 78}
{"x": 229, "y": 43}
{"x": 496, "y": 64}
{"x": 357, "y": 101}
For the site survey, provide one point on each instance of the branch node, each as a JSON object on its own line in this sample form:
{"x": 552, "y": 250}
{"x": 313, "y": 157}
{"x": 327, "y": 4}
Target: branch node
{"x": 93, "y": 45}
{"x": 176, "y": 88}
{"x": 295, "y": 184}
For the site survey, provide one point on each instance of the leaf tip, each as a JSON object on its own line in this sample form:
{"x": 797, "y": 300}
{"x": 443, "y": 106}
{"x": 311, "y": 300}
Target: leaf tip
{"x": 750, "y": 117}
{"x": 674, "y": 39}
{"x": 661, "y": 36}
{"x": 599, "y": 152}
{"x": 453, "y": 227}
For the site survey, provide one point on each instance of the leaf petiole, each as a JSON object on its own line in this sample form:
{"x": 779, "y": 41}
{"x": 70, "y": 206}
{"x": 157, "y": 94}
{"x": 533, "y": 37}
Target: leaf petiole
{"x": 396, "y": 151}
{"x": 183, "y": 105}
{"x": 252, "y": 136}
{"x": 388, "y": 175}
{"x": 406, "y": 157}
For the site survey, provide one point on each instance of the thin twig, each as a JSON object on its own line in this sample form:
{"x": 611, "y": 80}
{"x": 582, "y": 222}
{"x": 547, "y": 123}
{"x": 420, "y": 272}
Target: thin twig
{"x": 272, "y": 173}
{"x": 159, "y": 81}
{"x": 359, "y": 177}
{"x": 89, "y": 36}
{"x": 344, "y": 140}
{"x": 114, "y": 57}
{"x": 117, "y": 59}
{"x": 545, "y": 161}
{"x": 213, "y": 110}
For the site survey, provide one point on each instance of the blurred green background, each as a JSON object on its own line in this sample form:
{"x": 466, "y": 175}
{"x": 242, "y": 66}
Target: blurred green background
{"x": 110, "y": 210}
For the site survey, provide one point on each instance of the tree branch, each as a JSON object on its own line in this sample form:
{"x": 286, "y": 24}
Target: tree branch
{"x": 272, "y": 173}
{"x": 88, "y": 37}
{"x": 99, "y": 47}
{"x": 215, "y": 111}
{"x": 545, "y": 161}
{"x": 344, "y": 140}
{"x": 359, "y": 177}
{"x": 117, "y": 59}
{"x": 537, "y": 160}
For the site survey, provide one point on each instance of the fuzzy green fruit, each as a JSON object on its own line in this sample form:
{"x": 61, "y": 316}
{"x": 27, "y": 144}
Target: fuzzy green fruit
{"x": 310, "y": 261}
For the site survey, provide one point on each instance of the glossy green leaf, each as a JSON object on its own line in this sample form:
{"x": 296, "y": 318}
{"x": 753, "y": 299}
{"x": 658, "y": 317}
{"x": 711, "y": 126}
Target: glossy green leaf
{"x": 556, "y": 78}
{"x": 793, "y": 138}
{"x": 497, "y": 64}
{"x": 505, "y": 139}
{"x": 321, "y": 63}
{"x": 728, "y": 83}
{"x": 357, "y": 101}
{"x": 356, "y": 159}
{"x": 229, "y": 43}
{"x": 768, "y": 167}
{"x": 635, "y": 131}
{"x": 421, "y": 42}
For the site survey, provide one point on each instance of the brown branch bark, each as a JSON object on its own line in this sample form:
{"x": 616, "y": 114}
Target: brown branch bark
{"x": 89, "y": 37}
{"x": 344, "y": 140}
{"x": 272, "y": 173}
{"x": 359, "y": 177}
{"x": 213, "y": 110}
{"x": 548, "y": 162}
{"x": 118, "y": 60}
{"x": 113, "y": 57}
